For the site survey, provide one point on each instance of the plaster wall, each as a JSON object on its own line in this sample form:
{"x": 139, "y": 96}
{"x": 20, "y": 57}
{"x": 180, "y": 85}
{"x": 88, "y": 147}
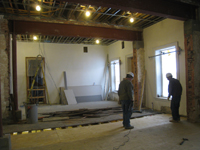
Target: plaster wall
{"x": 115, "y": 51}
{"x": 162, "y": 33}
{"x": 81, "y": 68}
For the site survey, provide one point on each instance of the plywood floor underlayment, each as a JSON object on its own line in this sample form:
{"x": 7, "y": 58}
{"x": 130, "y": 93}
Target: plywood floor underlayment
{"x": 64, "y": 116}
{"x": 150, "y": 133}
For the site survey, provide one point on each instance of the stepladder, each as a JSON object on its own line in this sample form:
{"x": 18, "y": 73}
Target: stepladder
{"x": 37, "y": 89}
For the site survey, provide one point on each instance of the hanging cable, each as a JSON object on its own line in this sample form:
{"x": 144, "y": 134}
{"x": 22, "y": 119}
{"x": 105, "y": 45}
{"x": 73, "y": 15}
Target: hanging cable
{"x": 43, "y": 53}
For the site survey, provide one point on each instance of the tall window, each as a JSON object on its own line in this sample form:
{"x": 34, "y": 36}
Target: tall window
{"x": 115, "y": 74}
{"x": 166, "y": 62}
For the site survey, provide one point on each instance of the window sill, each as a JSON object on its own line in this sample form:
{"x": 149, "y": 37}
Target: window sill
{"x": 161, "y": 98}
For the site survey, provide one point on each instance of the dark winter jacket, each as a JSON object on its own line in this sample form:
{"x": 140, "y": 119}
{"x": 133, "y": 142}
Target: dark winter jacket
{"x": 125, "y": 91}
{"x": 174, "y": 88}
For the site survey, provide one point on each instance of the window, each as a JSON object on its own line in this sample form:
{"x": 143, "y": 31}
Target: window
{"x": 166, "y": 61}
{"x": 115, "y": 74}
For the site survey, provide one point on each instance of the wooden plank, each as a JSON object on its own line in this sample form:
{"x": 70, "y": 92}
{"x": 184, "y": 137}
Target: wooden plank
{"x": 142, "y": 91}
{"x": 63, "y": 97}
{"x": 54, "y": 119}
{"x": 65, "y": 80}
{"x": 135, "y": 79}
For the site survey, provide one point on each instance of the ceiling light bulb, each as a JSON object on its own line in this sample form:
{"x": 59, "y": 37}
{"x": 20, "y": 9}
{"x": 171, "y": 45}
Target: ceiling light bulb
{"x": 97, "y": 41}
{"x": 131, "y": 20}
{"x": 34, "y": 37}
{"x": 38, "y": 8}
{"x": 87, "y": 13}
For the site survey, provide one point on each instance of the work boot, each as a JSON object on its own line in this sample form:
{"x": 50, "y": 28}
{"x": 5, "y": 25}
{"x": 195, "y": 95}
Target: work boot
{"x": 130, "y": 127}
{"x": 174, "y": 120}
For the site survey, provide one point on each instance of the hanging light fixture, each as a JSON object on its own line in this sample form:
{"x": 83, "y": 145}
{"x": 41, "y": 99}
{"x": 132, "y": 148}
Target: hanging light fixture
{"x": 34, "y": 37}
{"x": 97, "y": 41}
{"x": 38, "y": 8}
{"x": 87, "y": 13}
{"x": 131, "y": 19}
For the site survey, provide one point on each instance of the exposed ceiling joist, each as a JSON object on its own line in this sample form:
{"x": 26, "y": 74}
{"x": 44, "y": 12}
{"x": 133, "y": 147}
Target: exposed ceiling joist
{"x": 43, "y": 28}
{"x": 162, "y": 8}
{"x": 113, "y": 15}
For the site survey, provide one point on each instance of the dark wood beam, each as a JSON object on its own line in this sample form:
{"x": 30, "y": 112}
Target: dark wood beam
{"x": 55, "y": 29}
{"x": 163, "y": 8}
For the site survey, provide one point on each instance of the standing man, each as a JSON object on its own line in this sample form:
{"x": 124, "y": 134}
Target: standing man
{"x": 125, "y": 94}
{"x": 175, "y": 90}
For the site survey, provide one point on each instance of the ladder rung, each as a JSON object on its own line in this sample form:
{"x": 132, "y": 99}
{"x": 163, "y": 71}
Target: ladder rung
{"x": 37, "y": 97}
{"x": 36, "y": 89}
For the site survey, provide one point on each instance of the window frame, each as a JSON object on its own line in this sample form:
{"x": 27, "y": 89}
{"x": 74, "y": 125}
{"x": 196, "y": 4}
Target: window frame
{"x": 157, "y": 67}
{"x": 113, "y": 78}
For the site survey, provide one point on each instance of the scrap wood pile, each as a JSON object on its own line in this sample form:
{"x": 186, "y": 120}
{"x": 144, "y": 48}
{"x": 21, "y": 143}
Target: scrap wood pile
{"x": 81, "y": 113}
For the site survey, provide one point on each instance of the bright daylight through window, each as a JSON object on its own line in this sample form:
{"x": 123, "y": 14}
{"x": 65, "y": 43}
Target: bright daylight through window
{"x": 166, "y": 61}
{"x": 115, "y": 74}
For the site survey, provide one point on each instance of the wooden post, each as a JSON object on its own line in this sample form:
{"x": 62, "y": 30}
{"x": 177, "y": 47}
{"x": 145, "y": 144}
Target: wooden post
{"x": 135, "y": 79}
{"x": 142, "y": 90}
{"x": 65, "y": 80}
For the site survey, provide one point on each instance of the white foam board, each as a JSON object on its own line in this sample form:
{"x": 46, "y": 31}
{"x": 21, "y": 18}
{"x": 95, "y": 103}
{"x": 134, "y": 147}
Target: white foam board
{"x": 70, "y": 97}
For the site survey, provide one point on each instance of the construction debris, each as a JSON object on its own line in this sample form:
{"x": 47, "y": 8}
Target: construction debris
{"x": 81, "y": 113}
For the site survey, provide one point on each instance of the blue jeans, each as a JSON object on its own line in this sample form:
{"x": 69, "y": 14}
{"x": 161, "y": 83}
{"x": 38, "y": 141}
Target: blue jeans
{"x": 175, "y": 103}
{"x": 127, "y": 106}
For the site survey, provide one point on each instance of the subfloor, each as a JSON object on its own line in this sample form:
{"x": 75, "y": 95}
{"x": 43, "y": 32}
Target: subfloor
{"x": 84, "y": 114}
{"x": 150, "y": 133}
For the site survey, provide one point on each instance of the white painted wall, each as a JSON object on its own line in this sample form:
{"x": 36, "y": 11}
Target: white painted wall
{"x": 81, "y": 68}
{"x": 162, "y": 33}
{"x": 115, "y": 51}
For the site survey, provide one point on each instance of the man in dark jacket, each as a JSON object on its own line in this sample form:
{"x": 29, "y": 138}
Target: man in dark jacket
{"x": 125, "y": 94}
{"x": 175, "y": 90}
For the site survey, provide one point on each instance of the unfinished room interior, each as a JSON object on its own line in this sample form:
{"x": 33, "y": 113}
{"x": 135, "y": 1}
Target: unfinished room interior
{"x": 61, "y": 62}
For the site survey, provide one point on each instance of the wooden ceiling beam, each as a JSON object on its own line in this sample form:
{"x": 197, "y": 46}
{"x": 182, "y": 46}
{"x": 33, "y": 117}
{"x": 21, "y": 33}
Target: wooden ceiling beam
{"x": 55, "y": 29}
{"x": 163, "y": 8}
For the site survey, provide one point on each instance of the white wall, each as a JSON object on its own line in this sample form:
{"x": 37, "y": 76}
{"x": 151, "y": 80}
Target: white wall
{"x": 81, "y": 68}
{"x": 162, "y": 33}
{"x": 115, "y": 51}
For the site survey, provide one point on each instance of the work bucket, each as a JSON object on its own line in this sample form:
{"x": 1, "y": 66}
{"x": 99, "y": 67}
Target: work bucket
{"x": 31, "y": 113}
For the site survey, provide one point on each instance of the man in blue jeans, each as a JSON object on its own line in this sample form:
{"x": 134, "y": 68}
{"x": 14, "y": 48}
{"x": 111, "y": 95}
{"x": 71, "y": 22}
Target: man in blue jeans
{"x": 125, "y": 94}
{"x": 175, "y": 90}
